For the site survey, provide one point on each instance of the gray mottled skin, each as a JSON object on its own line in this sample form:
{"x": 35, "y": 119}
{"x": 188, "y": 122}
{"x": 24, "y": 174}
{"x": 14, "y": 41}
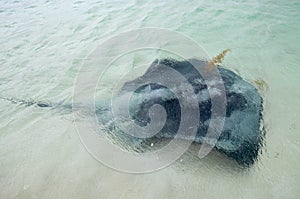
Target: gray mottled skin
{"x": 241, "y": 137}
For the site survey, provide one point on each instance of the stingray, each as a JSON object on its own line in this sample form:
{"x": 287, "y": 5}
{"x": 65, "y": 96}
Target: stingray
{"x": 241, "y": 137}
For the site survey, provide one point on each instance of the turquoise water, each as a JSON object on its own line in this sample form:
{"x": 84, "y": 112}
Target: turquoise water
{"x": 43, "y": 45}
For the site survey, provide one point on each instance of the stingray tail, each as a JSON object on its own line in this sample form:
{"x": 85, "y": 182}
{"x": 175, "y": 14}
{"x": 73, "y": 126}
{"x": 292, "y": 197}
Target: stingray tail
{"x": 27, "y": 102}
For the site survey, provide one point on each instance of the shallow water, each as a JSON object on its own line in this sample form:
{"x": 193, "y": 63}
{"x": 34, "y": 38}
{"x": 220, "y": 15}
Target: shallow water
{"x": 43, "y": 45}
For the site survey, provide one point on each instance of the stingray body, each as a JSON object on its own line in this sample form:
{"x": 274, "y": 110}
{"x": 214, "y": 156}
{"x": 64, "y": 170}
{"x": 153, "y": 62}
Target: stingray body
{"x": 241, "y": 136}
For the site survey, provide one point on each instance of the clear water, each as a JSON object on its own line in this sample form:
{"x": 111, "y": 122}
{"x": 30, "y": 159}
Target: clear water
{"x": 43, "y": 44}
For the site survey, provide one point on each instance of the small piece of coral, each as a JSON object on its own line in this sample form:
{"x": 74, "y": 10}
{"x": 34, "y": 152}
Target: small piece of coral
{"x": 217, "y": 59}
{"x": 261, "y": 84}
